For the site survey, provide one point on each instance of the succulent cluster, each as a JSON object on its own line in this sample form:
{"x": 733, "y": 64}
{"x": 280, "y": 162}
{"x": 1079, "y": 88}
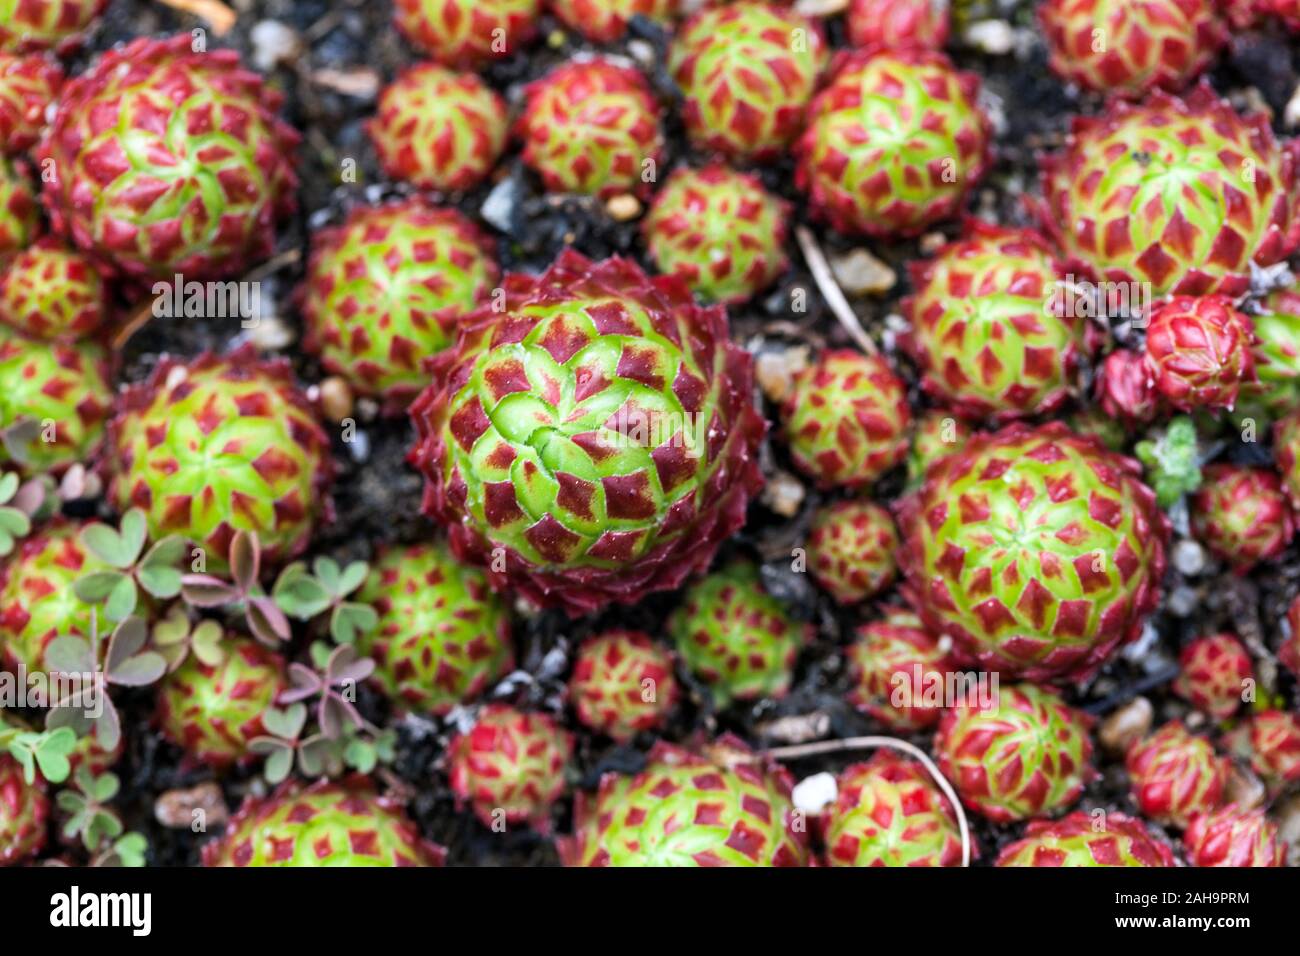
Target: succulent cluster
{"x": 509, "y": 767}
{"x": 727, "y": 808}
{"x": 386, "y": 289}
{"x": 48, "y": 24}
{"x": 467, "y": 33}
{"x": 1081, "y": 839}
{"x": 1175, "y": 775}
{"x": 718, "y": 230}
{"x": 846, "y": 419}
{"x": 28, "y": 84}
{"x": 1036, "y": 550}
{"x": 219, "y": 445}
{"x": 1131, "y": 48}
{"x": 49, "y": 291}
{"x": 747, "y": 71}
{"x": 622, "y": 684}
{"x": 443, "y": 637}
{"x": 1242, "y": 514}
{"x": 329, "y": 823}
{"x": 592, "y": 127}
{"x": 169, "y": 161}
{"x": 1213, "y": 673}
{"x": 439, "y": 129}
{"x": 604, "y": 21}
{"x": 895, "y": 24}
{"x": 897, "y": 672}
{"x": 851, "y": 547}
{"x": 1199, "y": 351}
{"x": 1154, "y": 193}
{"x": 894, "y": 142}
{"x": 888, "y": 812}
{"x": 595, "y": 441}
{"x": 1020, "y": 754}
{"x": 735, "y": 637}
{"x": 1232, "y": 836}
{"x": 980, "y": 330}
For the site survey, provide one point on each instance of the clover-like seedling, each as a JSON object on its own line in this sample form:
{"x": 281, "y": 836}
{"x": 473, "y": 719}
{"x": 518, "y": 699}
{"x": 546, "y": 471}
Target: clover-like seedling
{"x": 127, "y": 850}
{"x": 1172, "y": 461}
{"x": 117, "y": 589}
{"x": 46, "y": 751}
{"x": 89, "y": 815}
{"x": 304, "y": 595}
{"x": 242, "y": 593}
{"x": 175, "y": 637}
{"x": 14, "y": 522}
{"x": 357, "y": 748}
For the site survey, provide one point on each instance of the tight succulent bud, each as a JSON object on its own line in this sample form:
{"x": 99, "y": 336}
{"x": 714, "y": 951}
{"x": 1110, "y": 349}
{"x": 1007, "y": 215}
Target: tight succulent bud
{"x": 1080, "y": 839}
{"x": 28, "y": 84}
{"x": 1234, "y": 837}
{"x": 1270, "y": 741}
{"x": 1175, "y": 775}
{"x": 896, "y": 24}
{"x": 1242, "y": 514}
{"x": 1198, "y": 349}
{"x": 1125, "y": 388}
{"x": 467, "y": 33}
{"x": 851, "y": 547}
{"x": 894, "y": 665}
{"x": 1213, "y": 674}
{"x": 622, "y": 684}
{"x": 49, "y": 291}
{"x": 604, "y": 21}
{"x": 50, "y": 24}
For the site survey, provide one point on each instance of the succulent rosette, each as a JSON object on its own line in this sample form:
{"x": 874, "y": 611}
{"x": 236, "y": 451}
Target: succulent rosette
{"x": 888, "y": 812}
{"x": 590, "y": 127}
{"x": 1234, "y": 837}
{"x": 1212, "y": 674}
{"x": 50, "y": 291}
{"x": 604, "y": 21}
{"x": 895, "y": 665}
{"x": 1242, "y": 514}
{"x": 58, "y": 392}
{"x": 1024, "y": 753}
{"x": 725, "y": 808}
{"x": 1289, "y": 653}
{"x": 1076, "y": 840}
{"x": 439, "y": 129}
{"x": 737, "y": 638}
{"x": 983, "y": 329}
{"x": 846, "y": 419}
{"x": 622, "y": 684}
{"x": 46, "y": 24}
{"x": 28, "y": 84}
{"x": 897, "y": 24}
{"x": 1286, "y": 454}
{"x": 935, "y": 434}
{"x": 37, "y": 603}
{"x": 386, "y": 289}
{"x": 467, "y": 33}
{"x": 747, "y": 72}
{"x": 19, "y": 213}
{"x": 851, "y": 547}
{"x": 1155, "y": 193}
{"x": 329, "y": 823}
{"x": 213, "y": 710}
{"x": 598, "y": 436}
{"x": 1130, "y": 48}
{"x": 219, "y": 445}
{"x": 1036, "y": 550}
{"x": 169, "y": 161}
{"x": 509, "y": 766}
{"x": 1270, "y": 741}
{"x": 720, "y": 231}
{"x": 1126, "y": 389}
{"x": 1175, "y": 775}
{"x": 1276, "y": 352}
{"x": 1199, "y": 351}
{"x": 894, "y": 142}
{"x": 443, "y": 636}
{"x": 24, "y": 810}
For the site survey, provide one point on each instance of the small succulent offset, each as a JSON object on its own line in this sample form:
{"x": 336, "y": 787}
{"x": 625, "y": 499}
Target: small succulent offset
{"x": 441, "y": 636}
{"x": 1023, "y": 754}
{"x": 509, "y": 767}
{"x": 935, "y": 434}
{"x": 50, "y": 291}
{"x": 648, "y": 453}
{"x": 467, "y": 33}
{"x": 896, "y": 24}
{"x": 747, "y": 72}
{"x": 1233, "y": 836}
{"x": 19, "y": 213}
{"x": 735, "y": 637}
{"x": 1126, "y": 390}
{"x": 604, "y": 21}
{"x": 386, "y": 289}
{"x": 1080, "y": 839}
{"x": 329, "y": 823}
{"x": 846, "y": 419}
{"x": 851, "y": 548}
{"x": 1130, "y": 48}
{"x": 24, "y": 810}
{"x": 980, "y": 329}
{"x": 894, "y": 142}
{"x": 727, "y": 807}
{"x": 622, "y": 684}
{"x": 720, "y": 231}
{"x": 1276, "y": 353}
{"x": 141, "y": 211}
{"x": 1270, "y": 741}
{"x": 1199, "y": 351}
{"x": 28, "y": 84}
{"x": 1172, "y": 461}
{"x": 1155, "y": 193}
{"x": 130, "y": 567}
{"x": 1038, "y": 551}
{"x": 220, "y": 445}
{"x": 888, "y": 812}
{"x": 1213, "y": 674}
{"x": 439, "y": 129}
{"x": 591, "y": 127}
{"x": 1242, "y": 515}
{"x": 894, "y": 664}
{"x": 1175, "y": 775}
{"x": 54, "y": 24}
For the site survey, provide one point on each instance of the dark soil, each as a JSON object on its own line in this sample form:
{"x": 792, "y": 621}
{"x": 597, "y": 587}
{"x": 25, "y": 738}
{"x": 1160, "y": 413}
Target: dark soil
{"x": 377, "y": 496}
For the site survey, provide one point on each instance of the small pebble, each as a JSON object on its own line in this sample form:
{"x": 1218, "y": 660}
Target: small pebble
{"x": 1189, "y": 557}
{"x": 499, "y": 208}
{"x": 1291, "y": 115}
{"x": 814, "y": 794}
{"x": 860, "y": 273}
{"x": 271, "y": 334}
{"x": 994, "y": 37}
{"x": 336, "y": 398}
{"x": 797, "y": 728}
{"x": 1125, "y": 725}
{"x": 1244, "y": 789}
{"x": 623, "y": 208}
{"x": 783, "y": 494}
{"x": 1183, "y": 601}
{"x": 775, "y": 370}
{"x": 932, "y": 242}
{"x": 273, "y": 43}
{"x": 175, "y": 808}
